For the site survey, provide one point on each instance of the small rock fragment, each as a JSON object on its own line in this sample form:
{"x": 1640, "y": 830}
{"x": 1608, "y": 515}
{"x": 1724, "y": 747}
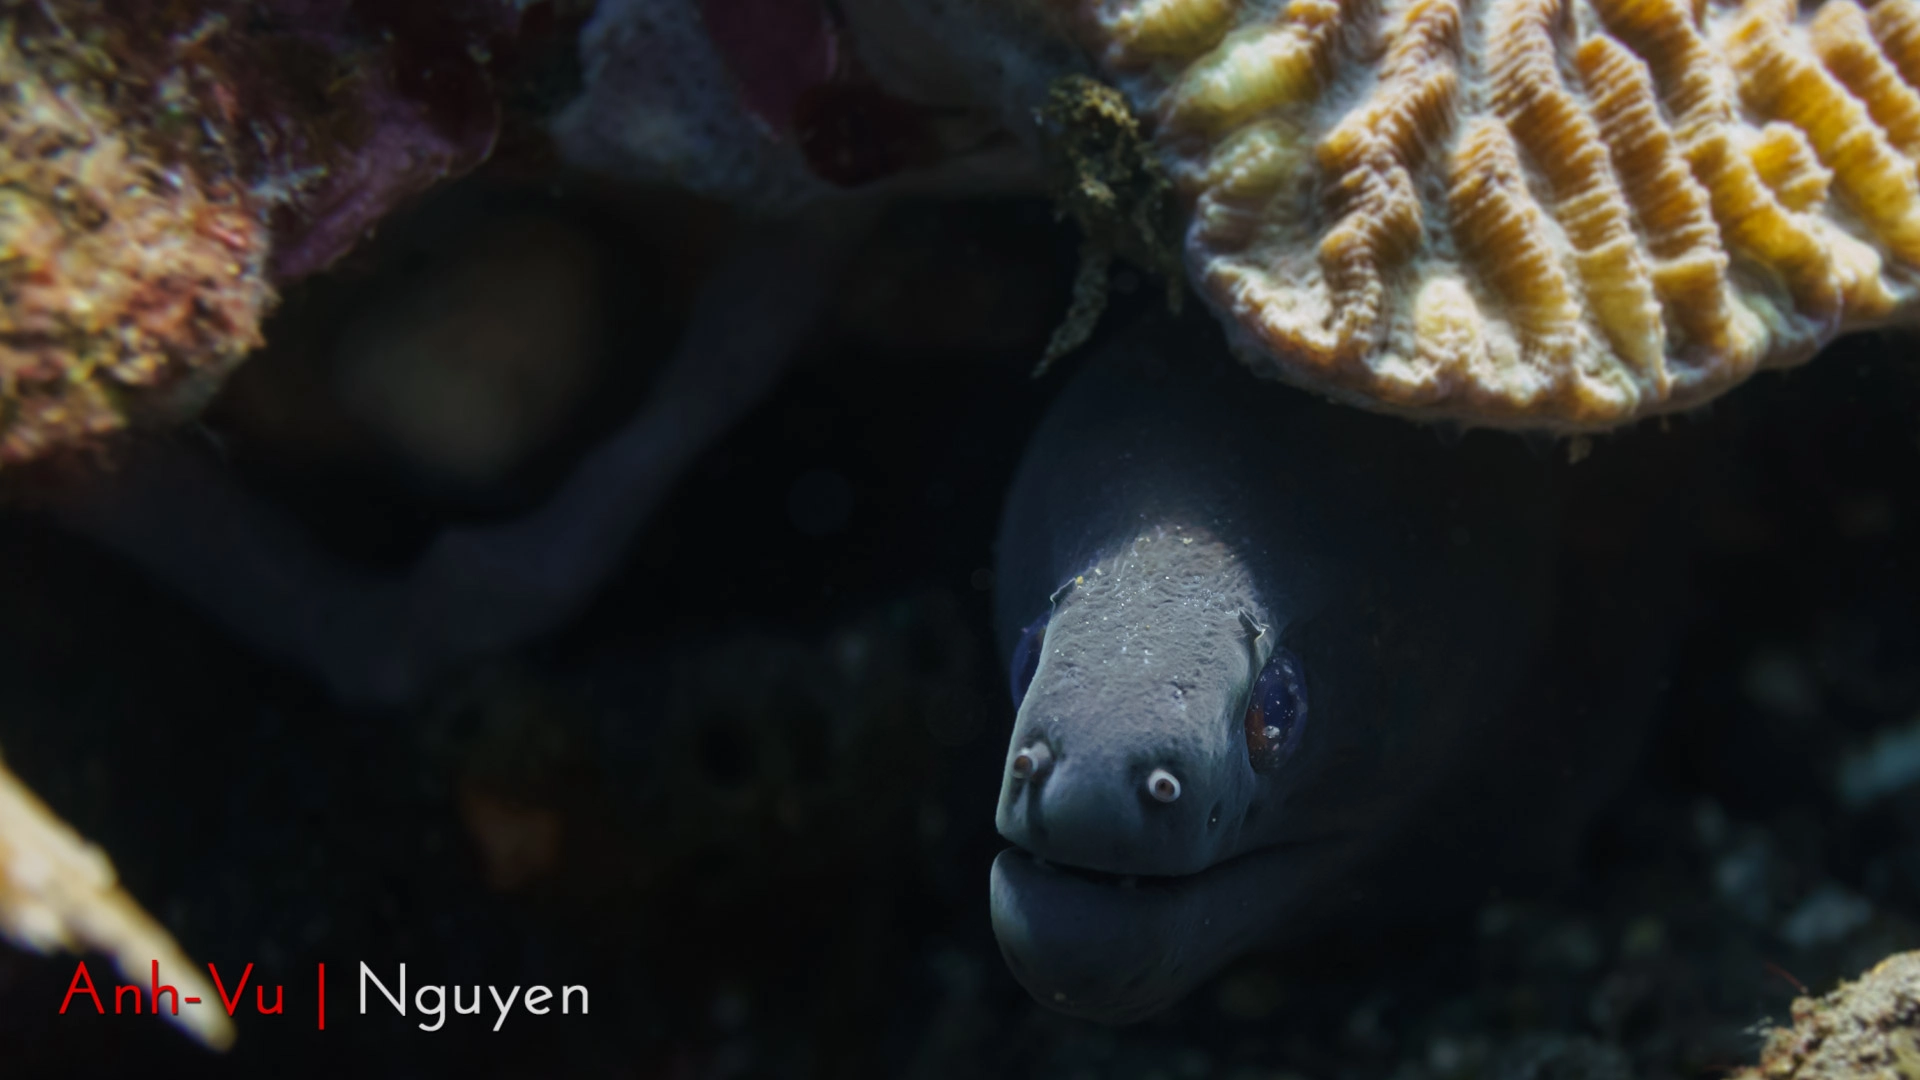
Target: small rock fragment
{"x": 1864, "y": 1029}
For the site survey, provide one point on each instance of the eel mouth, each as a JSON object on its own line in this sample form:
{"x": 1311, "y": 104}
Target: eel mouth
{"x": 1104, "y": 878}
{"x": 1118, "y": 948}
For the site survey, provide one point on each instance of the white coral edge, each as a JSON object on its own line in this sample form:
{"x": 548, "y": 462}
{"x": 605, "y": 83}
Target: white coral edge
{"x": 58, "y": 891}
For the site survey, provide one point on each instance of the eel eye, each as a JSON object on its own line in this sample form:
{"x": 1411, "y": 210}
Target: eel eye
{"x": 1026, "y": 658}
{"x": 1163, "y": 786}
{"x": 1275, "y": 712}
{"x": 1031, "y": 761}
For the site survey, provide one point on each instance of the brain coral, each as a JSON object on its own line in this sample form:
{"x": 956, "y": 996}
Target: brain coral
{"x": 1560, "y": 214}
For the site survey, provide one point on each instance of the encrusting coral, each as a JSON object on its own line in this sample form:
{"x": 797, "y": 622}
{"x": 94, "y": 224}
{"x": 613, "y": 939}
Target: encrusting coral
{"x": 1109, "y": 181}
{"x": 128, "y": 282}
{"x": 164, "y": 167}
{"x": 1559, "y": 214}
{"x": 59, "y": 892}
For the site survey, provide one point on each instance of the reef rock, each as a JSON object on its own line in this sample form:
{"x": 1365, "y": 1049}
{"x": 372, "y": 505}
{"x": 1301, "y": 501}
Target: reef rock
{"x": 129, "y": 278}
{"x": 163, "y": 167}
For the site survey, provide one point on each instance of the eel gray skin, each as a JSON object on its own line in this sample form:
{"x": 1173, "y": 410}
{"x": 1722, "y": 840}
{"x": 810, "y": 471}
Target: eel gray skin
{"x": 1175, "y": 522}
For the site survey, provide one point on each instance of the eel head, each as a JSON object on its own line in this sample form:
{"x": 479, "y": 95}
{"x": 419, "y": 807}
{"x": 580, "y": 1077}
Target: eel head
{"x": 1161, "y": 715}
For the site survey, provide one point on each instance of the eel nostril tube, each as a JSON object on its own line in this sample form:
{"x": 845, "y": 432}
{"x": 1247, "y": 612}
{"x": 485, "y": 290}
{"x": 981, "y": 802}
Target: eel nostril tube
{"x": 1031, "y": 761}
{"x": 1163, "y": 786}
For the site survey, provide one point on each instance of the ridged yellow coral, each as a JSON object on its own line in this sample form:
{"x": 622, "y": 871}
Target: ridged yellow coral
{"x": 1557, "y": 214}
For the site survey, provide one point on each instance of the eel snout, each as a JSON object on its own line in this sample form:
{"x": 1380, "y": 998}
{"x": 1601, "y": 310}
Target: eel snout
{"x": 1129, "y": 754}
{"x": 1117, "y": 807}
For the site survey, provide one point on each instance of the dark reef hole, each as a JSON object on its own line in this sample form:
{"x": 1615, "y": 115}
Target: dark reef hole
{"x": 807, "y": 730}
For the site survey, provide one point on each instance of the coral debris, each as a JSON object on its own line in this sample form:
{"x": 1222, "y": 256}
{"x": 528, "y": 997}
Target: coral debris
{"x": 1559, "y": 214}
{"x": 59, "y": 892}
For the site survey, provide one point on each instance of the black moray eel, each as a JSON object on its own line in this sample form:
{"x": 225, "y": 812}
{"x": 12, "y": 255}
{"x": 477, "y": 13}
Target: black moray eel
{"x": 1285, "y": 669}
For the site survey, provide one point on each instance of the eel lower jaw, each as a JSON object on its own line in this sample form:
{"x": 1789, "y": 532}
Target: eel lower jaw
{"x": 1118, "y": 949}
